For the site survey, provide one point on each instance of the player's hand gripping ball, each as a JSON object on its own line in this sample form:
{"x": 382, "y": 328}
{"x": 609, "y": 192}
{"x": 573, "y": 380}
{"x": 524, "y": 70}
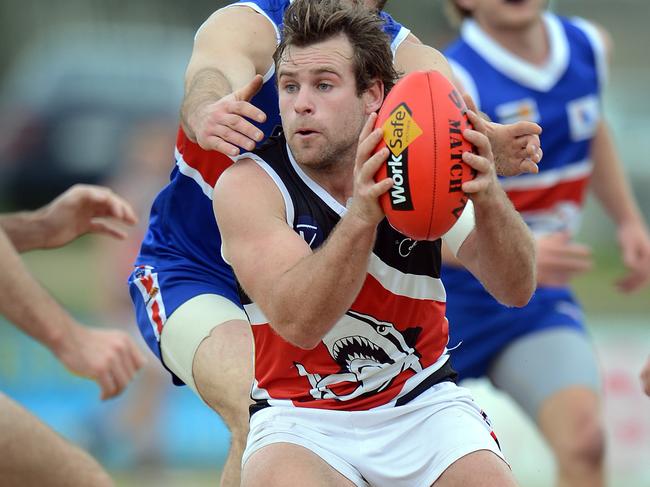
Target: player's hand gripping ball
{"x": 423, "y": 118}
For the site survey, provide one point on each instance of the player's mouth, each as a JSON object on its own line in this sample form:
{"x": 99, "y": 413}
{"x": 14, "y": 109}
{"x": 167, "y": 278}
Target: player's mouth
{"x": 306, "y": 133}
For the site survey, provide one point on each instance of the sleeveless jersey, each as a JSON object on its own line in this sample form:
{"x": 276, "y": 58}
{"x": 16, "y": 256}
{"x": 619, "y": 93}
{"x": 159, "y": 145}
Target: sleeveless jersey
{"x": 392, "y": 340}
{"x": 182, "y": 231}
{"x": 564, "y": 98}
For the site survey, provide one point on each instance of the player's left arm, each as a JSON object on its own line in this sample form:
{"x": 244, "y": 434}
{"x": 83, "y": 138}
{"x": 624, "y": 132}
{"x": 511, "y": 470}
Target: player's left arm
{"x": 516, "y": 146}
{"x": 613, "y": 191}
{"x": 500, "y": 250}
{"x": 79, "y": 210}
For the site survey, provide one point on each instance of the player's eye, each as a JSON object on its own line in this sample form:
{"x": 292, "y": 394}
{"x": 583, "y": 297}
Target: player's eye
{"x": 290, "y": 88}
{"x": 324, "y": 86}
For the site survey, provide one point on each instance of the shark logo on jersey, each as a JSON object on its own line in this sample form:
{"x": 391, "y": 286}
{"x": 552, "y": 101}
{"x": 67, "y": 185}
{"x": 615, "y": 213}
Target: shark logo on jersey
{"x": 584, "y": 115}
{"x": 370, "y": 353}
{"x": 518, "y": 110}
{"x": 309, "y": 230}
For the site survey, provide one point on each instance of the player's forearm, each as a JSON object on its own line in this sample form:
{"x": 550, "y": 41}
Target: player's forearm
{"x": 608, "y": 180}
{"x": 25, "y": 230}
{"x": 24, "y": 302}
{"x": 312, "y": 296}
{"x": 205, "y": 87}
{"x": 505, "y": 251}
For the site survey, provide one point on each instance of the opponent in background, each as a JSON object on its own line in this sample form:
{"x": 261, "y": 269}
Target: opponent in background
{"x": 521, "y": 62}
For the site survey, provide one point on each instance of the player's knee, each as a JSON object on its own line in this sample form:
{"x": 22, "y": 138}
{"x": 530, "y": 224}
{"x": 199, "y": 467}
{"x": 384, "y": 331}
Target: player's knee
{"x": 239, "y": 435}
{"x": 586, "y": 447}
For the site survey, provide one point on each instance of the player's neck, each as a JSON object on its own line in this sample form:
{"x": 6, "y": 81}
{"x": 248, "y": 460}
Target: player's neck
{"x": 530, "y": 43}
{"x": 336, "y": 179}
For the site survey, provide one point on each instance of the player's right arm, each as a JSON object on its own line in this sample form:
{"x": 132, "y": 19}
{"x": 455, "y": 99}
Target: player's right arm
{"x": 232, "y": 50}
{"x": 303, "y": 293}
{"x": 107, "y": 356}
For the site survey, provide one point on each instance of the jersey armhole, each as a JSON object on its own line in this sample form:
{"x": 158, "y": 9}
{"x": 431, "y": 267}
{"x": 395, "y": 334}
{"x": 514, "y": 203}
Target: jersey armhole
{"x": 597, "y": 46}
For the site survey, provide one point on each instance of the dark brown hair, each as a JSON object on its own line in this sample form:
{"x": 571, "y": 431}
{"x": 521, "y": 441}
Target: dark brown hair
{"x": 308, "y": 22}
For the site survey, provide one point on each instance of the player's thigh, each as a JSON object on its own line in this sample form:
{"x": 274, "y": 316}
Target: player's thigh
{"x": 283, "y": 464}
{"x": 31, "y": 454}
{"x": 536, "y": 367}
{"x": 478, "y": 469}
{"x": 208, "y": 344}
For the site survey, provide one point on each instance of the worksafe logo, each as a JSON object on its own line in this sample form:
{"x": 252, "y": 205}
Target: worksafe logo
{"x": 400, "y": 129}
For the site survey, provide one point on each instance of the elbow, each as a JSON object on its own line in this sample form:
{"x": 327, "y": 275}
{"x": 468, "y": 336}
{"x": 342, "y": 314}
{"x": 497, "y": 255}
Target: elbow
{"x": 298, "y": 335}
{"x": 519, "y": 292}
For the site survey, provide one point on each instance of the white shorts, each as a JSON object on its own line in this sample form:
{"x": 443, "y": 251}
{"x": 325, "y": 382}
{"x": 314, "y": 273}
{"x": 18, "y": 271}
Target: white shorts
{"x": 188, "y": 326}
{"x": 405, "y": 446}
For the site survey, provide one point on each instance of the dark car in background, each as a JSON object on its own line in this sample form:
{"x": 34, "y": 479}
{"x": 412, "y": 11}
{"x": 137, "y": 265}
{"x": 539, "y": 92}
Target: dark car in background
{"x": 72, "y": 96}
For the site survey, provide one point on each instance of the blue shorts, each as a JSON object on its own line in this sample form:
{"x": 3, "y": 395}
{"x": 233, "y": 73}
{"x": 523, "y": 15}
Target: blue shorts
{"x": 157, "y": 292}
{"x": 480, "y": 328}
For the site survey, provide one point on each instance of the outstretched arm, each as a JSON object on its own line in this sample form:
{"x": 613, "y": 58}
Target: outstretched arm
{"x": 613, "y": 191}
{"x": 232, "y": 50}
{"x": 108, "y": 357}
{"x": 79, "y": 210}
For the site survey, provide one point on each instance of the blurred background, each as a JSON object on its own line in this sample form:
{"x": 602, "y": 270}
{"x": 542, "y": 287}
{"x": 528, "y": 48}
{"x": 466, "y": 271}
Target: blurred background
{"x": 90, "y": 92}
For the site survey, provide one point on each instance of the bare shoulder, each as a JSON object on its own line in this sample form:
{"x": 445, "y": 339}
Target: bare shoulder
{"x": 246, "y": 185}
{"x": 238, "y": 30}
{"x": 412, "y": 55}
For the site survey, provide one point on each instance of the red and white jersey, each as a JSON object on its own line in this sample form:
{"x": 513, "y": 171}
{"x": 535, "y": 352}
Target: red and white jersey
{"x": 392, "y": 339}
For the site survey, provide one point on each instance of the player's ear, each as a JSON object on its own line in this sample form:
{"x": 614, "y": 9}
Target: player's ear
{"x": 374, "y": 96}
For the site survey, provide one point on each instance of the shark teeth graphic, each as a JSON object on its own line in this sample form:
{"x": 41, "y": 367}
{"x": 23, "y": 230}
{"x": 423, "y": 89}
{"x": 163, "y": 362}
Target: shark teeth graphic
{"x": 357, "y": 347}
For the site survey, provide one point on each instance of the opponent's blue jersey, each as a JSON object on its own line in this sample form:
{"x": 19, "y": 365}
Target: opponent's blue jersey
{"x": 563, "y": 96}
{"x": 182, "y": 228}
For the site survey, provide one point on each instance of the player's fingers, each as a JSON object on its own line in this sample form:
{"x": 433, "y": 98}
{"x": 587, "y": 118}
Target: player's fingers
{"x": 120, "y": 373}
{"x": 528, "y": 166}
{"x": 372, "y": 165}
{"x": 236, "y": 125}
{"x": 635, "y": 278}
{"x": 480, "y": 141}
{"x": 237, "y": 119}
{"x": 107, "y": 385}
{"x": 376, "y": 190}
{"x": 118, "y": 208}
{"x": 525, "y": 128}
{"x": 469, "y": 101}
{"x": 105, "y": 227}
{"x": 248, "y": 91}
{"x": 368, "y": 128}
{"x": 218, "y": 144}
{"x": 478, "y": 162}
{"x": 366, "y": 148}
{"x": 477, "y": 122}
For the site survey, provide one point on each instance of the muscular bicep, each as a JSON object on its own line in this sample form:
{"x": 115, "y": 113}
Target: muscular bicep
{"x": 414, "y": 56}
{"x": 257, "y": 241}
{"x": 236, "y": 41}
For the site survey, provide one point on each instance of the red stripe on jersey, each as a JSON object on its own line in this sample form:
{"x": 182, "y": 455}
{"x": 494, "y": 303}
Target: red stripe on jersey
{"x": 210, "y": 164}
{"x": 277, "y": 362}
{"x": 147, "y": 281}
{"x": 540, "y": 199}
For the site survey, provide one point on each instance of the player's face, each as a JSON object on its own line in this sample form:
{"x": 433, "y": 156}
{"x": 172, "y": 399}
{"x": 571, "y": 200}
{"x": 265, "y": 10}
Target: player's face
{"x": 505, "y": 14}
{"x": 322, "y": 114}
